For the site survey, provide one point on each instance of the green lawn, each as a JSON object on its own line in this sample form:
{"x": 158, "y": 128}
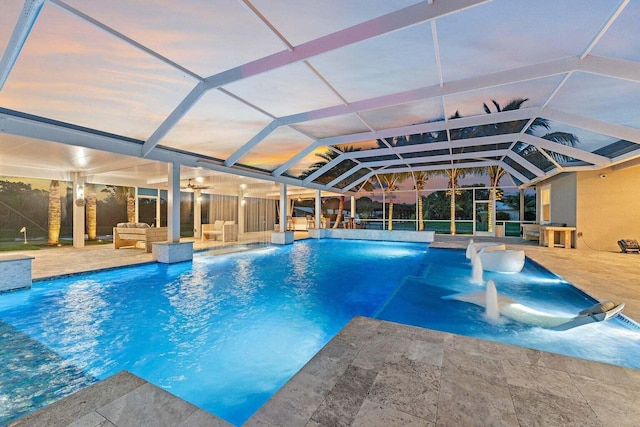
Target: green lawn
{"x": 7, "y": 246}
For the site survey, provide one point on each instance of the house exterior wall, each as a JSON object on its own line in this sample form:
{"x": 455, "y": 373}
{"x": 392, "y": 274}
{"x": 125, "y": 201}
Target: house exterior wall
{"x": 563, "y": 199}
{"x": 608, "y": 209}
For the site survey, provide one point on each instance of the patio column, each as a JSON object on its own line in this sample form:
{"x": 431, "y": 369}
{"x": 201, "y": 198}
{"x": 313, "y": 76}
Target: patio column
{"x": 283, "y": 207}
{"x": 282, "y": 236}
{"x": 318, "y": 208}
{"x": 353, "y": 206}
{"x": 173, "y": 250}
{"x": 241, "y": 209}
{"x": 158, "y": 210}
{"x": 522, "y": 206}
{"x": 78, "y": 211}
{"x": 173, "y": 204}
{"x": 197, "y": 214}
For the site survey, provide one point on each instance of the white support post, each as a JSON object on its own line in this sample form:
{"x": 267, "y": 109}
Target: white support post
{"x": 522, "y": 206}
{"x": 353, "y": 206}
{"x": 282, "y": 236}
{"x": 158, "y": 205}
{"x": 78, "y": 211}
{"x": 318, "y": 208}
{"x": 241, "y": 211}
{"x": 173, "y": 204}
{"x": 283, "y": 208}
{"x": 197, "y": 214}
{"x": 173, "y": 250}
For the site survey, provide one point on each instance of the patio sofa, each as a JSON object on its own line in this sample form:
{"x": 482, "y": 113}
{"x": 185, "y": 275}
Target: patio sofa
{"x": 226, "y": 230}
{"x": 132, "y": 233}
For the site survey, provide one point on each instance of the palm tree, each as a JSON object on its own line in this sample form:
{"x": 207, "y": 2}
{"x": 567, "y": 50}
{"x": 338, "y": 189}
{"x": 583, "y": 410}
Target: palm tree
{"x": 54, "y": 213}
{"x": 420, "y": 179}
{"x": 529, "y": 207}
{"x": 123, "y": 196}
{"x": 454, "y": 174}
{"x": 495, "y": 175}
{"x": 526, "y": 150}
{"x": 390, "y": 183}
{"x": 437, "y": 205}
{"x": 332, "y": 173}
{"x": 131, "y": 205}
{"x": 92, "y": 220}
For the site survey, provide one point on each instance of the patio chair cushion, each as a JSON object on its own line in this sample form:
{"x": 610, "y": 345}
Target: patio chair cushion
{"x": 132, "y": 225}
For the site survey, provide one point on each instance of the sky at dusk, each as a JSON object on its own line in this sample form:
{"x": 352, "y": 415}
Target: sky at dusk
{"x": 75, "y": 72}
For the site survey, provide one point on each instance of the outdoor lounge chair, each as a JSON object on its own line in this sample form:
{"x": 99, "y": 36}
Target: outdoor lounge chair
{"x": 226, "y": 230}
{"x": 629, "y": 246}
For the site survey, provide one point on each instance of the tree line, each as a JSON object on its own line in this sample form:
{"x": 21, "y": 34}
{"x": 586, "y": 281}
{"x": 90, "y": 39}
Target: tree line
{"x": 49, "y": 214}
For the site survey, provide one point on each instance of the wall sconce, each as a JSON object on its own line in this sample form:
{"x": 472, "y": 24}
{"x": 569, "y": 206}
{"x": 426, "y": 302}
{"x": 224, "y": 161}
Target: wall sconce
{"x": 199, "y": 199}
{"x": 243, "y": 202}
{"x": 79, "y": 195}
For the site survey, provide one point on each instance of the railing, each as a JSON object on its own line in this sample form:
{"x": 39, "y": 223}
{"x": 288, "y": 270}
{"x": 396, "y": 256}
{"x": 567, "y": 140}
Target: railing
{"x": 511, "y": 228}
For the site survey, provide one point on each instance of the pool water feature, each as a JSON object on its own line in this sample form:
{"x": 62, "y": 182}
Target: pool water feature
{"x": 226, "y": 332}
{"x": 491, "y": 301}
{"x": 425, "y": 301}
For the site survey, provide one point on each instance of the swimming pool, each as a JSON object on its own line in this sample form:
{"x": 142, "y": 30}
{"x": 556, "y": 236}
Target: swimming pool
{"x": 223, "y": 332}
{"x": 226, "y": 332}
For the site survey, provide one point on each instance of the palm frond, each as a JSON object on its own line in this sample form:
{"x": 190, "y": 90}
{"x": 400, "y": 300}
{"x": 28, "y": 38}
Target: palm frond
{"x": 538, "y": 123}
{"x": 563, "y": 138}
{"x": 515, "y": 104}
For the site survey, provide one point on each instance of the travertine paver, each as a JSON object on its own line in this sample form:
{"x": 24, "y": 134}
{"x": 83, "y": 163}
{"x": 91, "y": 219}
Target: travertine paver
{"x": 474, "y": 382}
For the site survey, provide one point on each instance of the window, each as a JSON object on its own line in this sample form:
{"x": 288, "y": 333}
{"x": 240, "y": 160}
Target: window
{"x": 545, "y": 201}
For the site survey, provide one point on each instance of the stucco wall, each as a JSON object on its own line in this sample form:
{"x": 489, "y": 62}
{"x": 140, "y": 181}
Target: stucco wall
{"x": 563, "y": 199}
{"x": 608, "y": 209}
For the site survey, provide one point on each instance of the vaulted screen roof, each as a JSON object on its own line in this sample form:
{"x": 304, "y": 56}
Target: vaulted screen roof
{"x": 261, "y": 87}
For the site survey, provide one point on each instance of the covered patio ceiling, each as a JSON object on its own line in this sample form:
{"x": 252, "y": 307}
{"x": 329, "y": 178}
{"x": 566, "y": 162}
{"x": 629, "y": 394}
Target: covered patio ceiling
{"x": 258, "y": 88}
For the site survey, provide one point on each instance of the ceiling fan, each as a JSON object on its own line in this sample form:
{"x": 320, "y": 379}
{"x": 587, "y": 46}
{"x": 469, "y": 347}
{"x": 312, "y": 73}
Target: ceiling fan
{"x": 190, "y": 186}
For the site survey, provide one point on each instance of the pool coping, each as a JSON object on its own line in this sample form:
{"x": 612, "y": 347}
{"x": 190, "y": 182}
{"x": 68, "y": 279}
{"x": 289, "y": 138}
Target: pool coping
{"x": 120, "y": 400}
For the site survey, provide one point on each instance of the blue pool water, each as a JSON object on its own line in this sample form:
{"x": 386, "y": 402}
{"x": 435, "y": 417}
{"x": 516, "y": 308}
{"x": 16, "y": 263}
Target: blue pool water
{"x": 226, "y": 332}
{"x": 421, "y": 301}
{"x": 223, "y": 332}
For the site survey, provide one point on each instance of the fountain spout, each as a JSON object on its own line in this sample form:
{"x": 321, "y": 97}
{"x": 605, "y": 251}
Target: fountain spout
{"x": 476, "y": 268}
{"x": 492, "y": 308}
{"x": 469, "y": 249}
